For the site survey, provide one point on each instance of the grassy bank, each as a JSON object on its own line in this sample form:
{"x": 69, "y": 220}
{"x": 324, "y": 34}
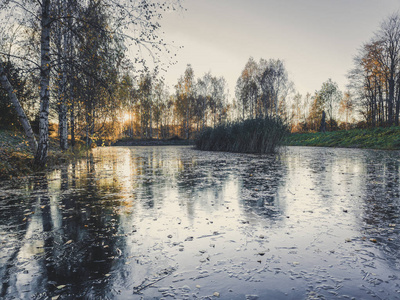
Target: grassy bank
{"x": 375, "y": 138}
{"x": 249, "y": 136}
{"x": 16, "y": 158}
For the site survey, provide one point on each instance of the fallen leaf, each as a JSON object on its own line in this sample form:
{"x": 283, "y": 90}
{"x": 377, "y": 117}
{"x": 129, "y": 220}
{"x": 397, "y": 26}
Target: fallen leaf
{"x": 373, "y": 240}
{"x": 69, "y": 242}
{"x": 61, "y": 286}
{"x": 216, "y": 294}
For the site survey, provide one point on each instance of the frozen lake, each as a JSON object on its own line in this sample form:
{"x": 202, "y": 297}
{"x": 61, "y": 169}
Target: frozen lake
{"x": 177, "y": 223}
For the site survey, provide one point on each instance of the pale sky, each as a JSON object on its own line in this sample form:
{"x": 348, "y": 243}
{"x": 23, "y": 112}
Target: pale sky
{"x": 317, "y": 39}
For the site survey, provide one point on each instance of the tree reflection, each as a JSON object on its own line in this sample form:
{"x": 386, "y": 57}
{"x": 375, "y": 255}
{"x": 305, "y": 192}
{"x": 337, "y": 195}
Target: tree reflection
{"x": 79, "y": 232}
{"x": 260, "y": 179}
{"x": 14, "y": 221}
{"x": 381, "y": 191}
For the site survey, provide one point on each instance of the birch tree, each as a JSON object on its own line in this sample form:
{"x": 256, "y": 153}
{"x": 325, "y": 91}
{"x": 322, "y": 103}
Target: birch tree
{"x": 18, "y": 108}
{"x": 185, "y": 95}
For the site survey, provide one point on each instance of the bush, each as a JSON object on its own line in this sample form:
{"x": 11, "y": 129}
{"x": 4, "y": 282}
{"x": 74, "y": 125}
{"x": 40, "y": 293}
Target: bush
{"x": 261, "y": 135}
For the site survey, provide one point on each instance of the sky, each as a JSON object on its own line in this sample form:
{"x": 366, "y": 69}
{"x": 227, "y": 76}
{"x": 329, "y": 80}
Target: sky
{"x": 317, "y": 39}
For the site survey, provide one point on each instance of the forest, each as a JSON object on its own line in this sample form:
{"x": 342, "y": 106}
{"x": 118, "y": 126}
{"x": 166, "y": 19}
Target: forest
{"x": 65, "y": 68}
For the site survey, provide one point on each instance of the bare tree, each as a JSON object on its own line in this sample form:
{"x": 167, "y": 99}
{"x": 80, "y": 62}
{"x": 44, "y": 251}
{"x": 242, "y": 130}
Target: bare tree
{"x": 389, "y": 39}
{"x": 20, "y": 111}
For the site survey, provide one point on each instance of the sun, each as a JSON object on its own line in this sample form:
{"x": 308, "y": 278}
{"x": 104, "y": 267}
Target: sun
{"x": 126, "y": 116}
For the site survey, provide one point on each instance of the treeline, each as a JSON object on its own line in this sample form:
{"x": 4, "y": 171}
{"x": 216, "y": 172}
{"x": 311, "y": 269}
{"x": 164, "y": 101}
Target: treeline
{"x": 372, "y": 97}
{"x": 265, "y": 90}
{"x": 151, "y": 110}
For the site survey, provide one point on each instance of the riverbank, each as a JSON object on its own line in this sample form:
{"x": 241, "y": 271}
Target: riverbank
{"x": 374, "y": 138}
{"x": 16, "y": 158}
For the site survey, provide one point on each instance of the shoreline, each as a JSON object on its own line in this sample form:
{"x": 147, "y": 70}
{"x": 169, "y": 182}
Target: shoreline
{"x": 16, "y": 157}
{"x": 153, "y": 142}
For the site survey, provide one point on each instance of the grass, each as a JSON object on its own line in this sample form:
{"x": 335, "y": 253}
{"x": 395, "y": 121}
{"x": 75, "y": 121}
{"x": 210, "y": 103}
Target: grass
{"x": 262, "y": 135}
{"x": 16, "y": 158}
{"x": 374, "y": 138}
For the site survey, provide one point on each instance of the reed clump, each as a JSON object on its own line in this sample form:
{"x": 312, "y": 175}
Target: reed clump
{"x": 260, "y": 135}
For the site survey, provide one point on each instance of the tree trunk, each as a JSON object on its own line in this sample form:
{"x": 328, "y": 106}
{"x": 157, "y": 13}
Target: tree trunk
{"x": 396, "y": 117}
{"x": 61, "y": 44}
{"x": 72, "y": 123}
{"x": 391, "y": 100}
{"x": 18, "y": 108}
{"x": 41, "y": 154}
{"x": 151, "y": 123}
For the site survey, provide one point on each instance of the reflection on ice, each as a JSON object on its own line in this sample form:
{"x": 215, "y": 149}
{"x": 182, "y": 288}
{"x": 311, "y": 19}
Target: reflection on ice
{"x": 153, "y": 222}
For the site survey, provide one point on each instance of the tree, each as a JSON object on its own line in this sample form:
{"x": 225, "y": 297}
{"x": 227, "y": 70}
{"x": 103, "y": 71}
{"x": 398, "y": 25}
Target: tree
{"x": 247, "y": 88}
{"x": 296, "y": 112}
{"x": 203, "y": 99}
{"x": 217, "y": 100}
{"x": 375, "y": 78}
{"x": 389, "y": 39}
{"x": 261, "y": 87}
{"x": 346, "y": 107}
{"x": 145, "y": 105}
{"x": 43, "y": 144}
{"x": 18, "y": 108}
{"x": 185, "y": 95}
{"x": 161, "y": 95}
{"x": 274, "y": 84}
{"x": 315, "y": 114}
{"x": 330, "y": 96}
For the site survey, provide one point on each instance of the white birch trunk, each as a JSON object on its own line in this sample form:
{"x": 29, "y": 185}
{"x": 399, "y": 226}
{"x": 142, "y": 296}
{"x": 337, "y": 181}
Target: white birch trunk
{"x": 18, "y": 108}
{"x": 41, "y": 154}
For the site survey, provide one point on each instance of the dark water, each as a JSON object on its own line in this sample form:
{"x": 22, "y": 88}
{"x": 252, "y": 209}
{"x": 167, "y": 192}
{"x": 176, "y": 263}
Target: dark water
{"x": 175, "y": 223}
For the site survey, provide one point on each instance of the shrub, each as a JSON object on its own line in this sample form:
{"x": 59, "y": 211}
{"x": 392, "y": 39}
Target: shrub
{"x": 261, "y": 135}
